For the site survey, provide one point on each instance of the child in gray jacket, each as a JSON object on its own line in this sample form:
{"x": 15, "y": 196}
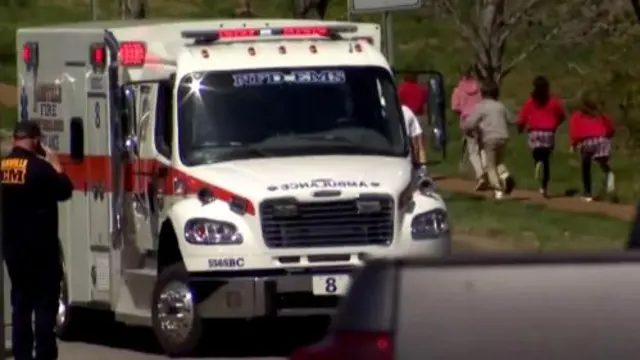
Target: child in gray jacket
{"x": 488, "y": 122}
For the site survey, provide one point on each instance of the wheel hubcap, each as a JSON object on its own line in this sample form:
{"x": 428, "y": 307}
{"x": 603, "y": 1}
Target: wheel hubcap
{"x": 61, "y": 316}
{"x": 175, "y": 311}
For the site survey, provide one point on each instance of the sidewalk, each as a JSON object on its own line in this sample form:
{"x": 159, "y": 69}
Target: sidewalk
{"x": 565, "y": 203}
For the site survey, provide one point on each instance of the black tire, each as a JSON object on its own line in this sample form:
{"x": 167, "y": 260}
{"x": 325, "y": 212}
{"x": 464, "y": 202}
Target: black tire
{"x": 69, "y": 328}
{"x": 185, "y": 344}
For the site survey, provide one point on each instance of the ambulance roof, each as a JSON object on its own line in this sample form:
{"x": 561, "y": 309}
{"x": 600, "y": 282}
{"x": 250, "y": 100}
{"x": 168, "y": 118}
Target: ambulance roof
{"x": 164, "y": 37}
{"x": 184, "y": 24}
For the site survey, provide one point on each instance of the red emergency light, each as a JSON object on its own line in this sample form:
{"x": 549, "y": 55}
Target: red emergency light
{"x": 132, "y": 53}
{"x": 367, "y": 39}
{"x": 98, "y": 55}
{"x": 30, "y": 55}
{"x": 221, "y": 34}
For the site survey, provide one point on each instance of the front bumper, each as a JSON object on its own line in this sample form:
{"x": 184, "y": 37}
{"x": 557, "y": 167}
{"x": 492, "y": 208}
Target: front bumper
{"x": 286, "y": 289}
{"x": 271, "y": 293}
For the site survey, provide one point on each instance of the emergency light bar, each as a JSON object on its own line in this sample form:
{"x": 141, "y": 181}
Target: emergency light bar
{"x": 208, "y": 36}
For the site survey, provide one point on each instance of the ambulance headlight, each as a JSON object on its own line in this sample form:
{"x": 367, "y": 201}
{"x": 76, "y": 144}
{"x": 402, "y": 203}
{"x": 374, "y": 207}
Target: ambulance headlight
{"x": 211, "y": 232}
{"x": 430, "y": 225}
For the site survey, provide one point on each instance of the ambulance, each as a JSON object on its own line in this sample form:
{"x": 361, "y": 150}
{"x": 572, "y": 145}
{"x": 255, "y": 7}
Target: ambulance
{"x": 223, "y": 169}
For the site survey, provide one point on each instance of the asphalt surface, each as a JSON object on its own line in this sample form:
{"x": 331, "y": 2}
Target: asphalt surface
{"x": 106, "y": 340}
{"x": 233, "y": 340}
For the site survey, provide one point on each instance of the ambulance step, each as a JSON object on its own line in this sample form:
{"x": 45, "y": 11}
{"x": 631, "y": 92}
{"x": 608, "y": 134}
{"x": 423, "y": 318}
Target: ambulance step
{"x": 134, "y": 306}
{"x": 142, "y": 272}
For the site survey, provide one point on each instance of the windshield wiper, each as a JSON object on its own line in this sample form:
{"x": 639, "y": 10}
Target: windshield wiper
{"x": 329, "y": 138}
{"x": 229, "y": 151}
{"x": 324, "y": 141}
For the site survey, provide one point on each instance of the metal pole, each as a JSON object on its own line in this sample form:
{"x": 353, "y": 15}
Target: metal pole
{"x": 5, "y": 306}
{"x": 388, "y": 32}
{"x": 349, "y": 14}
{"x": 94, "y": 10}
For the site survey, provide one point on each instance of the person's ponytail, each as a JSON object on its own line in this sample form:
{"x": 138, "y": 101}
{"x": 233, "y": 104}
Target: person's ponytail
{"x": 541, "y": 91}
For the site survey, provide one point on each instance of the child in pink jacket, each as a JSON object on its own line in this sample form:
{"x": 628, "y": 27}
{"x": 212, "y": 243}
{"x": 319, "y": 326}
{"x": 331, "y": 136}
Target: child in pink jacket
{"x": 465, "y": 97}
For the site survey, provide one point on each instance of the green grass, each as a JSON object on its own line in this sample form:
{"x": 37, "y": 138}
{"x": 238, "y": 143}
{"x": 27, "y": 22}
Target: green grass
{"x": 565, "y": 166}
{"x": 7, "y": 117}
{"x": 534, "y": 227}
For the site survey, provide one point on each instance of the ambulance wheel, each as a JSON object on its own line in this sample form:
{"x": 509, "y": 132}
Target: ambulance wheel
{"x": 174, "y": 316}
{"x": 66, "y": 321}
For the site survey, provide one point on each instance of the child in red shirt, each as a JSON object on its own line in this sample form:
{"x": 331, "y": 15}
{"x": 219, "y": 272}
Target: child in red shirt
{"x": 540, "y": 117}
{"x": 591, "y": 130}
{"x": 413, "y": 95}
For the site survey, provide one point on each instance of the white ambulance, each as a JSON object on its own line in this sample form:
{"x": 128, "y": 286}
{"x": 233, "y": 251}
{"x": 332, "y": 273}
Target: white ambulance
{"x": 223, "y": 168}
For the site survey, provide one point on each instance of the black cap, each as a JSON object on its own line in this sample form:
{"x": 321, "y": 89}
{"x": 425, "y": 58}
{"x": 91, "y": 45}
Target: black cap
{"x": 27, "y": 130}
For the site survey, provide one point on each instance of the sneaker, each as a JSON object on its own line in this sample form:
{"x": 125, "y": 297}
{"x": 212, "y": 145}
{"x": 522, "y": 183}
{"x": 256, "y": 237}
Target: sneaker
{"x": 538, "y": 170}
{"x": 543, "y": 193}
{"x": 509, "y": 184}
{"x": 587, "y": 198}
{"x": 498, "y": 195}
{"x": 481, "y": 184}
{"x": 610, "y": 182}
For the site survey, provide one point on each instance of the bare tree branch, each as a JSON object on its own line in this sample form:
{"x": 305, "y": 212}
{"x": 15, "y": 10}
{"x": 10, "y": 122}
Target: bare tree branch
{"x": 517, "y": 17}
{"x": 529, "y": 50}
{"x": 466, "y": 31}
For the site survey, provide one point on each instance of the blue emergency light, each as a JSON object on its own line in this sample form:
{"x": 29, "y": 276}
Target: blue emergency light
{"x": 209, "y": 36}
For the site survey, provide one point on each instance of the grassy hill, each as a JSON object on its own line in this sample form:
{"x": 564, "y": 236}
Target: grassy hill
{"x": 425, "y": 40}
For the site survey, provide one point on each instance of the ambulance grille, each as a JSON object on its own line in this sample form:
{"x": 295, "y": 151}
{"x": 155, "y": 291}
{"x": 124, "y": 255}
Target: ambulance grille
{"x": 287, "y": 223}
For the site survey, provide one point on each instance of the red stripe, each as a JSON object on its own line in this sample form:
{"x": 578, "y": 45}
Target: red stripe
{"x": 97, "y": 169}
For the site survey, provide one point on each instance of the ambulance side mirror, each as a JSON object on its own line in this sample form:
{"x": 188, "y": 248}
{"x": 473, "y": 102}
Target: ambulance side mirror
{"x": 129, "y": 105}
{"x": 76, "y": 139}
{"x": 131, "y": 146}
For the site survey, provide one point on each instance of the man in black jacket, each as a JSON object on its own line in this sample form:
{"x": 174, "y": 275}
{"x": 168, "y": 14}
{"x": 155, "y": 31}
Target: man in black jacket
{"x": 33, "y": 183}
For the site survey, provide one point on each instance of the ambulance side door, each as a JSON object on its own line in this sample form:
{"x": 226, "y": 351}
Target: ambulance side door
{"x": 160, "y": 192}
{"x": 142, "y": 128}
{"x": 151, "y": 167}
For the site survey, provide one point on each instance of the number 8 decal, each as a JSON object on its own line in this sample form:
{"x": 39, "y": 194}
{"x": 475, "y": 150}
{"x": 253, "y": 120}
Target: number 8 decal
{"x": 330, "y": 285}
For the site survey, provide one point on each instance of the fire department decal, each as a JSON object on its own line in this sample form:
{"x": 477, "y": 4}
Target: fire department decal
{"x": 47, "y": 98}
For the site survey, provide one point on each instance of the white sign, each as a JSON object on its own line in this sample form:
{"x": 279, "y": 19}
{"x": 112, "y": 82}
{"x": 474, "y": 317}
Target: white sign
{"x": 326, "y": 285}
{"x": 369, "y": 6}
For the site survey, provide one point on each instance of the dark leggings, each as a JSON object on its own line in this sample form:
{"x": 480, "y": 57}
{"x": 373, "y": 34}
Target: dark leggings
{"x": 586, "y": 170}
{"x": 543, "y": 156}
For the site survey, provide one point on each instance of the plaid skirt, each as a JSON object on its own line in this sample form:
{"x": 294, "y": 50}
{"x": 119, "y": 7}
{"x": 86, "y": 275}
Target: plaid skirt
{"x": 597, "y": 147}
{"x": 542, "y": 139}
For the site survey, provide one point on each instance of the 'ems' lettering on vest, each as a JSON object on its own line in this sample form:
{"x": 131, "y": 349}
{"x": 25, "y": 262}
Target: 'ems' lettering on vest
{"x": 14, "y": 171}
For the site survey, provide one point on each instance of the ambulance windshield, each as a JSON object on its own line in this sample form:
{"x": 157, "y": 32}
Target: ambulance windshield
{"x": 234, "y": 115}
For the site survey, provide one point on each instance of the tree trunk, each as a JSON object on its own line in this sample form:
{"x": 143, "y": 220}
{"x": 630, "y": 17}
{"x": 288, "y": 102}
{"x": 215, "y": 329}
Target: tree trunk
{"x": 244, "y": 10}
{"x": 310, "y": 9}
{"x": 135, "y": 9}
{"x": 490, "y": 29}
{"x": 636, "y": 8}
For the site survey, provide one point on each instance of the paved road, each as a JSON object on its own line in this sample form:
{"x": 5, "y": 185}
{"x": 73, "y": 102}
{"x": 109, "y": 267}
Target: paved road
{"x": 108, "y": 342}
{"x": 264, "y": 341}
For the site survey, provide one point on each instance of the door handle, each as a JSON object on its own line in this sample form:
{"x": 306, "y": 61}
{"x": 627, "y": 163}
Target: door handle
{"x": 152, "y": 197}
{"x": 98, "y": 191}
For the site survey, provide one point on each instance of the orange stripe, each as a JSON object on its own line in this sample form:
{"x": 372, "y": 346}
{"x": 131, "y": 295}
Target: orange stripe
{"x": 96, "y": 169}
